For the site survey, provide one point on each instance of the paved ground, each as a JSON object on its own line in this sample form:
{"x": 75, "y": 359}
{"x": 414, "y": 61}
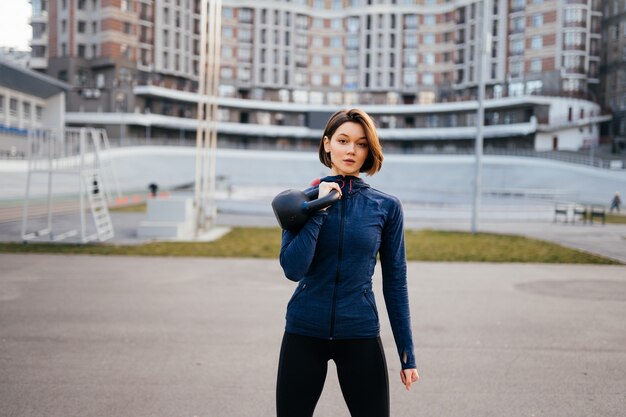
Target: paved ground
{"x": 171, "y": 337}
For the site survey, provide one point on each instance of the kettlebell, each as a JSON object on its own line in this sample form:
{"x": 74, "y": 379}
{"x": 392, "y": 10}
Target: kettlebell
{"x": 292, "y": 207}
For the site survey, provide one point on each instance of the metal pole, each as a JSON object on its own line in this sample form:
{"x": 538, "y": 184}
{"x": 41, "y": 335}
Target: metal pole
{"x": 484, "y": 46}
{"x": 30, "y": 155}
{"x": 81, "y": 186}
{"x": 214, "y": 107}
{"x": 210, "y": 73}
{"x": 200, "y": 132}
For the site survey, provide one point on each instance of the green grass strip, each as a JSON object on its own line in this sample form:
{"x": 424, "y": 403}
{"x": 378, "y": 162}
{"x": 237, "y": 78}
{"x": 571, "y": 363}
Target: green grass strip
{"x": 423, "y": 245}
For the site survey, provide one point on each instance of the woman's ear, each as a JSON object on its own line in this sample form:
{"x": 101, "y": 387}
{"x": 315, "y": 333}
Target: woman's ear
{"x": 326, "y": 144}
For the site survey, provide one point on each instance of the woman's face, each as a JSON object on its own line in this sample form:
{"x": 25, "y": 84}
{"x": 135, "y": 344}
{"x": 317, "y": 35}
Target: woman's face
{"x": 348, "y": 149}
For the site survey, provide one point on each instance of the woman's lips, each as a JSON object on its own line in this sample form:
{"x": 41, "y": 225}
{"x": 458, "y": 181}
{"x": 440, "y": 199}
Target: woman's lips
{"x": 349, "y": 161}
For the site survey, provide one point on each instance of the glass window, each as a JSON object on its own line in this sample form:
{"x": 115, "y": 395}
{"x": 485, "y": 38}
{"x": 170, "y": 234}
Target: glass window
{"x": 410, "y": 78}
{"x": 537, "y": 42}
{"x": 535, "y": 65}
{"x": 537, "y": 19}
{"x": 428, "y": 78}
{"x": 429, "y": 39}
{"x": 410, "y": 40}
{"x": 410, "y": 21}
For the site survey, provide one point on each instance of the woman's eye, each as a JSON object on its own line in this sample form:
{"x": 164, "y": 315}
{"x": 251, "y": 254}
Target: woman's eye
{"x": 363, "y": 145}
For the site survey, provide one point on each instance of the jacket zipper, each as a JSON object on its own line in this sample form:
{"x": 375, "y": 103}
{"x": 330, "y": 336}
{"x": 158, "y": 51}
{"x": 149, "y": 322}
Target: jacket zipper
{"x": 340, "y": 255}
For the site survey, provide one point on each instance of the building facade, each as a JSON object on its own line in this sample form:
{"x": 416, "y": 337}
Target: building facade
{"x": 614, "y": 69}
{"x": 28, "y": 100}
{"x": 133, "y": 64}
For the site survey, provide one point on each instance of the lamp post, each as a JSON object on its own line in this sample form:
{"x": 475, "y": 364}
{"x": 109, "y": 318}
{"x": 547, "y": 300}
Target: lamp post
{"x": 484, "y": 48}
{"x": 206, "y": 134}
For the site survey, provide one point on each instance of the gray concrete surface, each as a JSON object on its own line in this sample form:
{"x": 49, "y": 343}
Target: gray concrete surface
{"x": 122, "y": 336}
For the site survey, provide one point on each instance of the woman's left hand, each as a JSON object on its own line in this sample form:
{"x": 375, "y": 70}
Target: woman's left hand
{"x": 409, "y": 376}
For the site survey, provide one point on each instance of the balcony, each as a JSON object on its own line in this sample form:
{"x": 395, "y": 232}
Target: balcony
{"x": 575, "y": 24}
{"x": 580, "y": 69}
{"x": 574, "y": 47}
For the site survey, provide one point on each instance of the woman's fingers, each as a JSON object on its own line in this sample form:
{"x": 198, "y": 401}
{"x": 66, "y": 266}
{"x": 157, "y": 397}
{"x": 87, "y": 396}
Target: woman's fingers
{"x": 408, "y": 377}
{"x": 326, "y": 187}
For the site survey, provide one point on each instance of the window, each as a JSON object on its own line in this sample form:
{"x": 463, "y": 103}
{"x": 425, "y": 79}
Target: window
{"x": 516, "y": 68}
{"x": 410, "y": 21}
{"x": 410, "y": 78}
{"x": 410, "y": 40}
{"x": 226, "y": 73}
{"x": 429, "y": 58}
{"x": 244, "y": 54}
{"x": 535, "y": 65}
{"x": 429, "y": 39}
{"x": 335, "y": 80}
{"x": 227, "y": 52}
{"x": 316, "y": 79}
{"x": 429, "y": 20}
{"x": 317, "y": 42}
{"x": 245, "y": 15}
{"x": 516, "y": 89}
{"x": 537, "y": 42}
{"x": 127, "y": 28}
{"x": 353, "y": 24}
{"x": 82, "y": 50}
{"x": 13, "y": 107}
{"x": 335, "y": 42}
{"x": 81, "y": 26}
{"x": 537, "y": 20}
{"x": 517, "y": 46}
{"x": 26, "y": 110}
{"x": 428, "y": 78}
{"x": 518, "y": 24}
{"x": 243, "y": 74}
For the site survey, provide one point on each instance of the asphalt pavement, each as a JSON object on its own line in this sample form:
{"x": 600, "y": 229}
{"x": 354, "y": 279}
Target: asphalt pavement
{"x": 177, "y": 337}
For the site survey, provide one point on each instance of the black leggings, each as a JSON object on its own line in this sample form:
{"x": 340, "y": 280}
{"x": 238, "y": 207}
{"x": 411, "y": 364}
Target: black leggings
{"x": 361, "y": 368}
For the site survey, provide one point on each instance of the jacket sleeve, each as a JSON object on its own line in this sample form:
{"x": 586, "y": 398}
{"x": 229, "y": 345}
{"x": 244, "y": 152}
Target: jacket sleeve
{"x": 393, "y": 264}
{"x": 297, "y": 248}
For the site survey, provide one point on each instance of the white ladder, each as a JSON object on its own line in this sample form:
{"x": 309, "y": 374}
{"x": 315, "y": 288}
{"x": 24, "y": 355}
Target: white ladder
{"x": 99, "y": 207}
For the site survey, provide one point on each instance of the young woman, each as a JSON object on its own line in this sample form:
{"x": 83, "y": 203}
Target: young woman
{"x": 332, "y": 313}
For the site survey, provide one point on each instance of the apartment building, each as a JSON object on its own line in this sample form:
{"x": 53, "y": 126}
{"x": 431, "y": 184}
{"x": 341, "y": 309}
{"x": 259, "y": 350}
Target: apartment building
{"x": 134, "y": 63}
{"x": 614, "y": 68}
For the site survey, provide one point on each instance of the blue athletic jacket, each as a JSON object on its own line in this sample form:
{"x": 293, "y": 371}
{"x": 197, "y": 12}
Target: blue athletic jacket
{"x": 333, "y": 257}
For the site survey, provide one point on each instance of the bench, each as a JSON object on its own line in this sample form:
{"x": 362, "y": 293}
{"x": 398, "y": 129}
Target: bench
{"x": 582, "y": 211}
{"x": 560, "y": 209}
{"x": 599, "y": 212}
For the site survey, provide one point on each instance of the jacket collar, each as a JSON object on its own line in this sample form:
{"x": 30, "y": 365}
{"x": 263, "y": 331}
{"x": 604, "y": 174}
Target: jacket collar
{"x": 347, "y": 183}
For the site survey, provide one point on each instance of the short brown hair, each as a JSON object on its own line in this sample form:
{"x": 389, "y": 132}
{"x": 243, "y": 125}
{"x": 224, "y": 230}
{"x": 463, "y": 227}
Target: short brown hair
{"x": 374, "y": 160}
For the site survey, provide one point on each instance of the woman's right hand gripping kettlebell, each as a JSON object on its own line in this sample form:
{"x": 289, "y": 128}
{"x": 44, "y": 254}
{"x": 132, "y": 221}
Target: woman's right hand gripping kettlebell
{"x": 327, "y": 187}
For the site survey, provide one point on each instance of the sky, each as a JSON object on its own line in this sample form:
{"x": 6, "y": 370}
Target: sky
{"x": 15, "y": 32}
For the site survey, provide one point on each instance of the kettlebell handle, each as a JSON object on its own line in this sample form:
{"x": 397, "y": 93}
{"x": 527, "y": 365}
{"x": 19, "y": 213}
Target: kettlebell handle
{"x": 315, "y": 203}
